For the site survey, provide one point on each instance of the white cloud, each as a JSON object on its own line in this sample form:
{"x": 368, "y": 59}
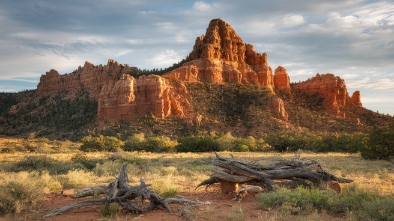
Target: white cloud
{"x": 350, "y": 76}
{"x": 165, "y": 59}
{"x": 293, "y": 20}
{"x": 372, "y": 83}
{"x": 166, "y": 26}
{"x": 378, "y": 100}
{"x": 123, "y": 52}
{"x": 343, "y": 21}
{"x": 134, "y": 41}
{"x": 183, "y": 37}
{"x": 202, "y": 6}
{"x": 58, "y": 38}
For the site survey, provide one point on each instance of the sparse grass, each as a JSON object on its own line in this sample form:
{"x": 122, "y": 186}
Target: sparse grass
{"x": 20, "y": 192}
{"x": 109, "y": 211}
{"x": 76, "y": 179}
{"x": 174, "y": 173}
{"x": 236, "y": 214}
{"x": 165, "y": 187}
{"x": 362, "y": 203}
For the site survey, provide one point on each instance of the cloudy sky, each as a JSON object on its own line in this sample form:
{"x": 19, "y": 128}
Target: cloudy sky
{"x": 353, "y": 39}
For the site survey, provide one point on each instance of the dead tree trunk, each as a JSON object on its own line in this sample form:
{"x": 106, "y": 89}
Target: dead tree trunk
{"x": 288, "y": 173}
{"x": 137, "y": 199}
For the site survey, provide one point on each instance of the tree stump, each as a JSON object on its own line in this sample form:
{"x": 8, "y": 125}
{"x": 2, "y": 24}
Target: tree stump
{"x": 228, "y": 187}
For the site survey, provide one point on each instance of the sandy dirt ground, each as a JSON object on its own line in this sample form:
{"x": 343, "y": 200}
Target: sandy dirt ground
{"x": 222, "y": 207}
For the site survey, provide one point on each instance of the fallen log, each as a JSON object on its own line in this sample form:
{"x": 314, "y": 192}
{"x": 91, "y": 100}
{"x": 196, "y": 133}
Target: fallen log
{"x": 136, "y": 199}
{"x": 288, "y": 173}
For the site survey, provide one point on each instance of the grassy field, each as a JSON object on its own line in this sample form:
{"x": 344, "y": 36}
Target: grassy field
{"x": 25, "y": 177}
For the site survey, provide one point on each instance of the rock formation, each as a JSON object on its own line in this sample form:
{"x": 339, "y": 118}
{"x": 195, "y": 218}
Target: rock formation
{"x": 89, "y": 77}
{"x": 119, "y": 95}
{"x": 331, "y": 88}
{"x": 355, "y": 99}
{"x": 129, "y": 97}
{"x": 282, "y": 80}
{"x": 220, "y": 56}
{"x": 278, "y": 107}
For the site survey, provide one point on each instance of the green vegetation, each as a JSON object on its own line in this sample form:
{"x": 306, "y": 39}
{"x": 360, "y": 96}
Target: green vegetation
{"x": 20, "y": 191}
{"x": 229, "y": 103}
{"x": 197, "y": 144}
{"x": 49, "y": 116}
{"x": 316, "y": 142}
{"x": 136, "y": 72}
{"x": 101, "y": 143}
{"x": 28, "y": 176}
{"x": 380, "y": 143}
{"x": 365, "y": 204}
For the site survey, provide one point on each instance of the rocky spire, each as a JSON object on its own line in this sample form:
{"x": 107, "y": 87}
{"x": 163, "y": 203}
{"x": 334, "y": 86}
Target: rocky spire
{"x": 219, "y": 42}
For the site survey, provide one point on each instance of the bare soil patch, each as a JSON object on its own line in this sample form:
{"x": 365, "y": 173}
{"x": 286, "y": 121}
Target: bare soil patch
{"x": 223, "y": 207}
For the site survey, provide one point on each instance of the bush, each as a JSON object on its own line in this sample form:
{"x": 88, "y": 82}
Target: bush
{"x": 20, "y": 192}
{"x": 380, "y": 143}
{"x": 325, "y": 142}
{"x": 300, "y": 200}
{"x": 250, "y": 144}
{"x": 76, "y": 179}
{"x": 45, "y": 163}
{"x": 8, "y": 150}
{"x": 101, "y": 143}
{"x": 226, "y": 142}
{"x": 133, "y": 143}
{"x": 379, "y": 209}
{"x": 244, "y": 144}
{"x": 289, "y": 141}
{"x": 108, "y": 168}
{"x": 198, "y": 144}
{"x": 82, "y": 159}
{"x": 159, "y": 144}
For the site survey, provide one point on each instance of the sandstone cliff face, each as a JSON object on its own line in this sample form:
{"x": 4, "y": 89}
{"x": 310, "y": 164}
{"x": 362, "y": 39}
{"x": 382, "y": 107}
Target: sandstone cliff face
{"x": 129, "y": 97}
{"x": 89, "y": 76}
{"x": 282, "y": 80}
{"x": 119, "y": 95}
{"x": 331, "y": 88}
{"x": 220, "y": 56}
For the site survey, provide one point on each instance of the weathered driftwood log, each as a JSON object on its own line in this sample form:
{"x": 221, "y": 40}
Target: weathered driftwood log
{"x": 287, "y": 173}
{"x": 137, "y": 199}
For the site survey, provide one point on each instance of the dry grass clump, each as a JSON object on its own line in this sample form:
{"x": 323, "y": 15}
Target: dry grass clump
{"x": 76, "y": 179}
{"x": 20, "y": 192}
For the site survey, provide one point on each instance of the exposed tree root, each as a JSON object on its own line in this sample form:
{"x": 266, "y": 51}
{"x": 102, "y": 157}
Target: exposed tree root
{"x": 137, "y": 199}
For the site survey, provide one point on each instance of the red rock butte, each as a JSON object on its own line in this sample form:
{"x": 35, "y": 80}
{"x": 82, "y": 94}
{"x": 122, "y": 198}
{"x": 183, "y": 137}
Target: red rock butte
{"x": 220, "y": 56}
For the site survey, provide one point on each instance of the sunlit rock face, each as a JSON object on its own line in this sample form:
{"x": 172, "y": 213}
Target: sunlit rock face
{"x": 332, "y": 88}
{"x": 220, "y": 56}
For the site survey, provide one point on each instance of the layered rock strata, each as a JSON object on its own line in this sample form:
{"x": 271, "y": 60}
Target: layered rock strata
{"x": 119, "y": 95}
